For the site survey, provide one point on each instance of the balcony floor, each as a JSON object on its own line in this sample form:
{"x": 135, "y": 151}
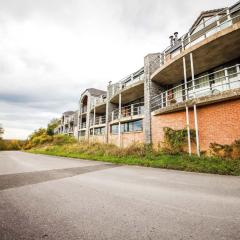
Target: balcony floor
{"x": 220, "y": 48}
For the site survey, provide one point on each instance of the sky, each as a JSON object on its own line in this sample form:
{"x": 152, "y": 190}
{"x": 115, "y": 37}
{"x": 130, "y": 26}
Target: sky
{"x": 52, "y": 50}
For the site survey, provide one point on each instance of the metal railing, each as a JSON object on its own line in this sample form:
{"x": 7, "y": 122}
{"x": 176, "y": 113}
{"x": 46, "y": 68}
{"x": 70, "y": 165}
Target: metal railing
{"x": 128, "y": 111}
{"x": 83, "y": 125}
{"x": 208, "y": 27}
{"x": 98, "y": 120}
{"x": 100, "y": 101}
{"x": 207, "y": 85}
{"x": 126, "y": 82}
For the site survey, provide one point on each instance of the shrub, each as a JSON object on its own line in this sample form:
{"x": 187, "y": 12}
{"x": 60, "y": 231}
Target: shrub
{"x": 176, "y": 140}
{"x": 225, "y": 151}
{"x": 63, "y": 139}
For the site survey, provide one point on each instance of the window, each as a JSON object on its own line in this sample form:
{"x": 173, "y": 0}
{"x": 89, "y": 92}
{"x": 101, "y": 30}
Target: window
{"x": 134, "y": 126}
{"x": 114, "y": 129}
{"x": 138, "y": 125}
{"x": 99, "y": 131}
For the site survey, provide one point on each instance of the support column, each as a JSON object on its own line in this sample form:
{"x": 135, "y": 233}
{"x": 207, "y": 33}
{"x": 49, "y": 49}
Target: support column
{"x": 119, "y": 118}
{"x": 94, "y": 121}
{"x": 195, "y": 107}
{"x": 151, "y": 89}
{"x": 187, "y": 112}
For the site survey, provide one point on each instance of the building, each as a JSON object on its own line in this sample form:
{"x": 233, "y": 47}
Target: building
{"x": 68, "y": 124}
{"x": 194, "y": 83}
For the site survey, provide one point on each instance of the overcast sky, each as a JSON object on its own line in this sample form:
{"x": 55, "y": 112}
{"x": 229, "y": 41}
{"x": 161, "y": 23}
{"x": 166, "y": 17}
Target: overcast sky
{"x": 51, "y": 50}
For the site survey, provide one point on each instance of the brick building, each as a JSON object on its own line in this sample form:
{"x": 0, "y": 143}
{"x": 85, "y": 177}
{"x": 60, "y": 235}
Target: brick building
{"x": 194, "y": 83}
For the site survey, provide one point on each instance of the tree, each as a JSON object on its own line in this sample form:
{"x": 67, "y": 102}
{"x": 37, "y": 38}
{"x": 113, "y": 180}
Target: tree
{"x": 51, "y": 126}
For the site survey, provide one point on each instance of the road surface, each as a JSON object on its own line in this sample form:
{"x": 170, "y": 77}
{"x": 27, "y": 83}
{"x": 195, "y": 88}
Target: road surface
{"x": 43, "y": 197}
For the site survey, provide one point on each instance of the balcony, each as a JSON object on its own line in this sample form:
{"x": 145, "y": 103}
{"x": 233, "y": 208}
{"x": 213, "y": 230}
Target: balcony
{"x": 98, "y": 121}
{"x": 127, "y": 82}
{"x": 83, "y": 125}
{"x": 207, "y": 28}
{"x": 208, "y": 85}
{"x": 128, "y": 111}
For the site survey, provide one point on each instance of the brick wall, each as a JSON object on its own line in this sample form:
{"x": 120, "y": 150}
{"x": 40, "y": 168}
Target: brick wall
{"x": 219, "y": 122}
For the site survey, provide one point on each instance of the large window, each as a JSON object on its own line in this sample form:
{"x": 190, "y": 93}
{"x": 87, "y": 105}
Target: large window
{"x": 134, "y": 126}
{"x": 114, "y": 129}
{"x": 97, "y": 131}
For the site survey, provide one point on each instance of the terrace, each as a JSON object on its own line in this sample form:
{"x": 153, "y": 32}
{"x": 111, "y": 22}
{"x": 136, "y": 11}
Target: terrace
{"x": 212, "y": 84}
{"x": 99, "y": 120}
{"x": 133, "y": 80}
{"x": 206, "y": 28}
{"x": 131, "y": 111}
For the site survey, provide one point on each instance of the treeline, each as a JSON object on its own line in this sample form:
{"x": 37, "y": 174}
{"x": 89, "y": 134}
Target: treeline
{"x": 6, "y": 145}
{"x": 39, "y": 137}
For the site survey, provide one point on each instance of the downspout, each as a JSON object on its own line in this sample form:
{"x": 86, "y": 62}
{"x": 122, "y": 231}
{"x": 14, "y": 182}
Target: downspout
{"x": 187, "y": 110}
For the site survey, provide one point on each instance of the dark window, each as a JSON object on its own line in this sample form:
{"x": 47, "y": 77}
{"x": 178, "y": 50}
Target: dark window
{"x": 114, "y": 129}
{"x": 134, "y": 126}
{"x": 99, "y": 131}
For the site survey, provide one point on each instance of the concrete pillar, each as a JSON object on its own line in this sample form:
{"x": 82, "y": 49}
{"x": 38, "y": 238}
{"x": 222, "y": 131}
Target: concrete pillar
{"x": 151, "y": 89}
{"x": 119, "y": 118}
{"x": 88, "y": 117}
{"x": 109, "y": 109}
{"x": 94, "y": 121}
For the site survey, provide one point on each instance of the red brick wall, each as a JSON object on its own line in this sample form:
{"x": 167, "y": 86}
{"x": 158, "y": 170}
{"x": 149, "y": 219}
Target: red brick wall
{"x": 219, "y": 122}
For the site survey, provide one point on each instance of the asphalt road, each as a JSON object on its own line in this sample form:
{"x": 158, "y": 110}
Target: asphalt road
{"x": 43, "y": 197}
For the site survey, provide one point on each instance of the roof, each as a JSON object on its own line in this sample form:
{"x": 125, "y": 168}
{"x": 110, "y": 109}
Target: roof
{"x": 95, "y": 92}
{"x": 68, "y": 113}
{"x": 206, "y": 14}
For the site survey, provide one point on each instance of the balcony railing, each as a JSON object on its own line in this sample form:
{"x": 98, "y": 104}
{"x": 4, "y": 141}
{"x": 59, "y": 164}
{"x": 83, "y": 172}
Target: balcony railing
{"x": 128, "y": 111}
{"x": 83, "y": 125}
{"x": 127, "y": 81}
{"x": 207, "y": 85}
{"x": 212, "y": 25}
{"x": 98, "y": 120}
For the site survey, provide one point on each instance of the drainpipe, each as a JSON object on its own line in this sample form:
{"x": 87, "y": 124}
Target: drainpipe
{"x": 187, "y": 112}
{"x": 119, "y": 117}
{"x": 195, "y": 107}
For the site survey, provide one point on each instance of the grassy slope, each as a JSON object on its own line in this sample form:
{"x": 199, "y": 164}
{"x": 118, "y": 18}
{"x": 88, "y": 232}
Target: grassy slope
{"x": 177, "y": 162}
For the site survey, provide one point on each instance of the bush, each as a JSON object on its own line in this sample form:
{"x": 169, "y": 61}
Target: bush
{"x": 7, "y": 145}
{"x": 225, "y": 151}
{"x": 176, "y": 140}
{"x": 63, "y": 139}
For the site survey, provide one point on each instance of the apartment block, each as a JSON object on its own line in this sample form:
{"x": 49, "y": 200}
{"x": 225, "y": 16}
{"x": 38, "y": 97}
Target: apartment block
{"x": 194, "y": 84}
{"x": 68, "y": 124}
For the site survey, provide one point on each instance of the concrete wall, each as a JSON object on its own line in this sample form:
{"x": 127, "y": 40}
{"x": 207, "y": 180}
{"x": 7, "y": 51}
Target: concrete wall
{"x": 218, "y": 122}
{"x": 97, "y": 138}
{"x": 127, "y": 139}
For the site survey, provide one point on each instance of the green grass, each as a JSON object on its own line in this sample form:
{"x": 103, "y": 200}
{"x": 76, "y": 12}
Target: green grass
{"x": 140, "y": 157}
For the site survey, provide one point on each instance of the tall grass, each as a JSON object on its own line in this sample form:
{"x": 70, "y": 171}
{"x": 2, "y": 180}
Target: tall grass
{"x": 140, "y": 154}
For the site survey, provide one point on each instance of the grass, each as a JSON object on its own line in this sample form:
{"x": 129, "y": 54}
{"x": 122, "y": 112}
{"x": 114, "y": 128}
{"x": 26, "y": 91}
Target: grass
{"x": 142, "y": 156}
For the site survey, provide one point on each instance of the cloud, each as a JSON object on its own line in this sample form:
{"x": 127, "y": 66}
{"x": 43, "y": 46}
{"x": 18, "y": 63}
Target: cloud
{"x": 50, "y": 51}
